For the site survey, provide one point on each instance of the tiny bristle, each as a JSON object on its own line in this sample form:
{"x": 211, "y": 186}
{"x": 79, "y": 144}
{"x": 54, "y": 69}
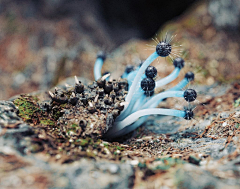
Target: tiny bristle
{"x": 76, "y": 80}
{"x": 51, "y": 94}
{"x": 105, "y": 76}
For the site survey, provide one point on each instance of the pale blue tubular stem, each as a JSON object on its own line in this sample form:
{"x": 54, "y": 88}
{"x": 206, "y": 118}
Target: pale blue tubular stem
{"x": 180, "y": 85}
{"x": 128, "y": 110}
{"x": 156, "y": 99}
{"x": 97, "y": 68}
{"x": 169, "y": 78}
{"x": 131, "y": 77}
{"x": 141, "y": 120}
{"x": 137, "y": 79}
{"x": 139, "y": 103}
{"x": 130, "y": 128}
{"x": 134, "y": 117}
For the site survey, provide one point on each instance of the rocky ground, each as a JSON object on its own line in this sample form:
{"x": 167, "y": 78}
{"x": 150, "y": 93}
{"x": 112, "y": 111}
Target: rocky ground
{"x": 38, "y": 151}
{"x": 166, "y": 152}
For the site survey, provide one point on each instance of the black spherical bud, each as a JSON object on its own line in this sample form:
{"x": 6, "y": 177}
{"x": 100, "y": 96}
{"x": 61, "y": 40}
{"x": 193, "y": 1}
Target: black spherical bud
{"x": 148, "y": 84}
{"x": 178, "y": 63}
{"x": 189, "y": 76}
{"x": 151, "y": 72}
{"x": 188, "y": 114}
{"x": 163, "y": 49}
{"x": 190, "y": 95}
{"x": 129, "y": 68}
{"x": 101, "y": 55}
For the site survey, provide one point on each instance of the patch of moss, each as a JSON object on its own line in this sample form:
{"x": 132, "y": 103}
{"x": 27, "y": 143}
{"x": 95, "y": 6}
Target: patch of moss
{"x": 30, "y": 111}
{"x": 47, "y": 122}
{"x": 74, "y": 125}
{"x": 28, "y": 108}
{"x": 84, "y": 142}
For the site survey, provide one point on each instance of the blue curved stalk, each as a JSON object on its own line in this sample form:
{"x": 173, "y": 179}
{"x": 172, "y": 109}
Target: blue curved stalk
{"x": 180, "y": 85}
{"x": 97, "y": 68}
{"x": 128, "y": 110}
{"x": 169, "y": 78}
{"x": 156, "y": 99}
{"x": 137, "y": 79}
{"x": 131, "y": 127}
{"x": 131, "y": 77}
{"x": 139, "y": 102}
{"x": 135, "y": 116}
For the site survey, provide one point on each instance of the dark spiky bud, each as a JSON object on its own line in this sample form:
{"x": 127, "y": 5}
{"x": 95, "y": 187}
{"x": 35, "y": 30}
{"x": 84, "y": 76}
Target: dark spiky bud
{"x": 148, "y": 84}
{"x": 178, "y": 63}
{"x": 190, "y": 95}
{"x": 189, "y": 76}
{"x": 163, "y": 49}
{"x": 151, "y": 72}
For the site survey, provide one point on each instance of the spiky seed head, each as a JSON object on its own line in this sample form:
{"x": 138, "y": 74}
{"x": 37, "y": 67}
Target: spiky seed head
{"x": 148, "y": 84}
{"x": 163, "y": 49}
{"x": 151, "y": 72}
{"x": 178, "y": 63}
{"x": 189, "y": 76}
{"x": 188, "y": 114}
{"x": 190, "y": 95}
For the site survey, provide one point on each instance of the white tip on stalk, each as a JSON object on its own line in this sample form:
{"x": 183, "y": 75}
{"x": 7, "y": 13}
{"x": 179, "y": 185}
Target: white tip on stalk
{"x": 51, "y": 94}
{"x": 76, "y": 80}
{"x": 105, "y": 76}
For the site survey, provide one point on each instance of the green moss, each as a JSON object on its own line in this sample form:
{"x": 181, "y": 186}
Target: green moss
{"x": 47, "y": 122}
{"x": 74, "y": 125}
{"x": 84, "y": 142}
{"x": 28, "y": 108}
{"x": 30, "y": 111}
{"x": 119, "y": 148}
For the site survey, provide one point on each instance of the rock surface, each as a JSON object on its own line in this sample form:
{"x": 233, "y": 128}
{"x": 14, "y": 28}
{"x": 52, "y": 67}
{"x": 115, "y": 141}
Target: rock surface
{"x": 154, "y": 157}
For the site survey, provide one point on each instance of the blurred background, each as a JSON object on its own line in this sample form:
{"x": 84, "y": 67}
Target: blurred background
{"x": 42, "y": 42}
